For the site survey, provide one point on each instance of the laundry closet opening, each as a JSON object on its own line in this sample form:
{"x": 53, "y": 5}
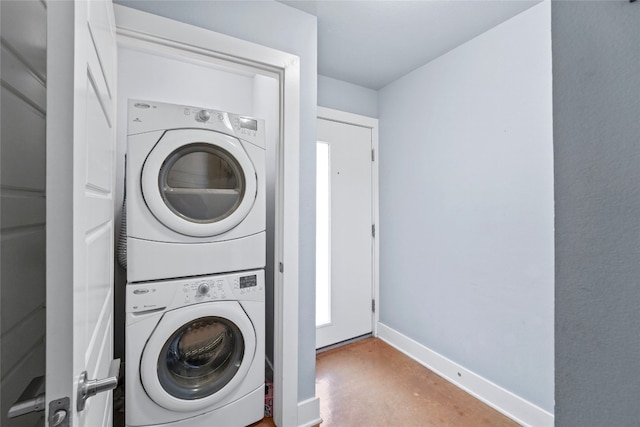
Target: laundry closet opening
{"x": 170, "y": 78}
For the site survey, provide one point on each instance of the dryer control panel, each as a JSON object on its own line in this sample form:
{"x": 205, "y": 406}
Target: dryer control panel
{"x": 168, "y": 294}
{"x": 146, "y": 116}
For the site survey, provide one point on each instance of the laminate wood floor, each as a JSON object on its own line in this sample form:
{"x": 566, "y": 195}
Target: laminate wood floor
{"x": 369, "y": 383}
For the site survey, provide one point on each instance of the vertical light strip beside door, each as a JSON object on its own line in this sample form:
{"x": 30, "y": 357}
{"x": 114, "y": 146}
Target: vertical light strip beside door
{"x": 323, "y": 234}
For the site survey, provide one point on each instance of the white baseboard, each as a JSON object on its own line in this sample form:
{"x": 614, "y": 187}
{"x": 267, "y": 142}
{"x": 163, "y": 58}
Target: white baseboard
{"x": 514, "y": 407}
{"x": 309, "y": 412}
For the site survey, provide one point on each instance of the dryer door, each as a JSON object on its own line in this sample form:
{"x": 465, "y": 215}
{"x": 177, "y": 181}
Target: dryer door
{"x": 199, "y": 182}
{"x": 197, "y": 355}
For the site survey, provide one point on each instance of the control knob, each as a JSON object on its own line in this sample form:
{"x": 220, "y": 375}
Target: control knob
{"x": 203, "y": 289}
{"x": 203, "y": 115}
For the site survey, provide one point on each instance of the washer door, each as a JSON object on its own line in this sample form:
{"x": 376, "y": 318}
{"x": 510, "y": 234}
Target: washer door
{"x": 197, "y": 355}
{"x": 199, "y": 182}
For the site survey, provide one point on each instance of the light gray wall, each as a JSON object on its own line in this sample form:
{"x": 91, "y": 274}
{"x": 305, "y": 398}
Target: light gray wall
{"x": 596, "y": 103}
{"x": 347, "y": 97}
{"x": 22, "y": 191}
{"x": 287, "y": 29}
{"x": 466, "y": 206}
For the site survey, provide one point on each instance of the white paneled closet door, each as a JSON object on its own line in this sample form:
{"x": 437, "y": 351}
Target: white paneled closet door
{"x": 80, "y": 205}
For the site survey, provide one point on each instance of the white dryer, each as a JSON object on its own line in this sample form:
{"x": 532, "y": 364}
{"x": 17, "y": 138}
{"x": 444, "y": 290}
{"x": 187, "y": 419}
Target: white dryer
{"x": 195, "y": 351}
{"x": 195, "y": 191}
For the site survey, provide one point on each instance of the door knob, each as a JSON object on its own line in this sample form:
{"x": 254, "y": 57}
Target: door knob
{"x": 88, "y": 388}
{"x": 30, "y": 400}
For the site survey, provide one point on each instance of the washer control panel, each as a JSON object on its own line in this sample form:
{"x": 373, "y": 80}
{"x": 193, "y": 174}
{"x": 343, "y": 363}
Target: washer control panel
{"x": 205, "y": 290}
{"x": 155, "y": 296}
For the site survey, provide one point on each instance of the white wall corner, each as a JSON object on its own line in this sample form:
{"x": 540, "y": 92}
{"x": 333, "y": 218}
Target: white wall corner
{"x": 505, "y": 402}
{"x": 309, "y": 412}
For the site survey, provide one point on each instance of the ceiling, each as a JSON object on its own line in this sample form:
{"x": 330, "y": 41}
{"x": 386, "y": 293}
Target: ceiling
{"x": 374, "y": 42}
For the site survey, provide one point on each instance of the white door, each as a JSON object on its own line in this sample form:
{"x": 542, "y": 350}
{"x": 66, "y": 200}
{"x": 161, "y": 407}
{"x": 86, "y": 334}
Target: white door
{"x": 81, "y": 62}
{"x": 344, "y": 262}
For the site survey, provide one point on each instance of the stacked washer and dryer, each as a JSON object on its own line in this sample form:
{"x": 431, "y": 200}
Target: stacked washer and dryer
{"x": 195, "y": 297}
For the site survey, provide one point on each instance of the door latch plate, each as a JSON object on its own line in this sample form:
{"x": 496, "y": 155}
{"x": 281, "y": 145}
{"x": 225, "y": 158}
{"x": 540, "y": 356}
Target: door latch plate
{"x": 56, "y": 409}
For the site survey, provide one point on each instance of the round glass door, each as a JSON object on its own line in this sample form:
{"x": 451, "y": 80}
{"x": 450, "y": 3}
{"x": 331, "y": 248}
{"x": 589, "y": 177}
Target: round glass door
{"x": 197, "y": 355}
{"x": 199, "y": 182}
{"x": 202, "y": 183}
{"x": 200, "y": 358}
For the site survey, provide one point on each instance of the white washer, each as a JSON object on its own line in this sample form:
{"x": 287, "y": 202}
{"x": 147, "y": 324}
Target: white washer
{"x": 195, "y": 351}
{"x": 195, "y": 192}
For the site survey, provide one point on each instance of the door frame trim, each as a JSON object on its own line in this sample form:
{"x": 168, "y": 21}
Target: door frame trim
{"x": 370, "y": 123}
{"x": 142, "y": 30}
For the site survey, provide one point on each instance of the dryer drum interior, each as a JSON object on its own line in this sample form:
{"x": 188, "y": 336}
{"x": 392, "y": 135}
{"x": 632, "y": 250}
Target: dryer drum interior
{"x": 200, "y": 358}
{"x": 201, "y": 183}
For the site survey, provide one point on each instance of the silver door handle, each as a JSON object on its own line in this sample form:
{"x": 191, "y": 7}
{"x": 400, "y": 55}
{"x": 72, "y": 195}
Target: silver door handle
{"x": 88, "y": 388}
{"x": 29, "y": 401}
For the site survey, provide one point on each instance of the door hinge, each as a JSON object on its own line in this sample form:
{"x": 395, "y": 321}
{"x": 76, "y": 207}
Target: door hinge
{"x": 373, "y": 306}
{"x": 281, "y": 267}
{"x": 373, "y": 155}
{"x": 373, "y": 230}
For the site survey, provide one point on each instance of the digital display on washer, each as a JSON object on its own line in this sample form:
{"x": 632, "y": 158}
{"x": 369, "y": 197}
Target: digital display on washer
{"x": 250, "y": 124}
{"x": 248, "y": 281}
